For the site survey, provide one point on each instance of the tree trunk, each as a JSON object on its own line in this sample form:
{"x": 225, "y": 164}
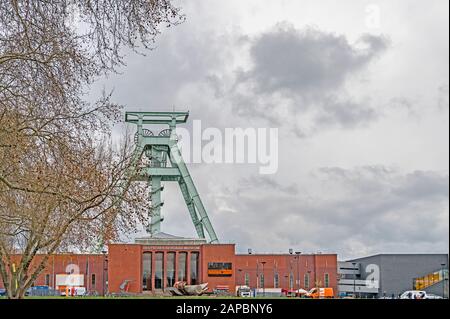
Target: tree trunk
{"x": 15, "y": 288}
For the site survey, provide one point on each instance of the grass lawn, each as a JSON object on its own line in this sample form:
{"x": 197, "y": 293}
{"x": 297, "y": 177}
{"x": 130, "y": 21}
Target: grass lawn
{"x": 147, "y": 297}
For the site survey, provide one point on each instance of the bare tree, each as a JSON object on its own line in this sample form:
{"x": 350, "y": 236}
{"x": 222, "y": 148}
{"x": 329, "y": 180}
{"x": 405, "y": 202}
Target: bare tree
{"x": 62, "y": 181}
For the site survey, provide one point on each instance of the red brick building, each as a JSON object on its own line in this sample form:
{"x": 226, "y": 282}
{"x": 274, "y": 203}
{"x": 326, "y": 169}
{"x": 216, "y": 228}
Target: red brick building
{"x": 92, "y": 266}
{"x": 156, "y": 263}
{"x": 152, "y": 264}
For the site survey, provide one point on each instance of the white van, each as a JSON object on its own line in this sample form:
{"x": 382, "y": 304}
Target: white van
{"x": 414, "y": 294}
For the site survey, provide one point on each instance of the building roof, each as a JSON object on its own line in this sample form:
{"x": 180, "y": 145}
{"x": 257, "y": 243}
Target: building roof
{"x": 165, "y": 238}
{"x": 168, "y": 236}
{"x": 397, "y": 255}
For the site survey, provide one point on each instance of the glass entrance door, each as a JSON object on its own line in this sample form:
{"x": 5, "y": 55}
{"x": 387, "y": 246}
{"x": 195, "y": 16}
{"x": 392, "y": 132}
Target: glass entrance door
{"x": 147, "y": 271}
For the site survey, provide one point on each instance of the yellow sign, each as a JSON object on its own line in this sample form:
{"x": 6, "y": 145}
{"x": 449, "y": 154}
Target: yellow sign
{"x": 427, "y": 280}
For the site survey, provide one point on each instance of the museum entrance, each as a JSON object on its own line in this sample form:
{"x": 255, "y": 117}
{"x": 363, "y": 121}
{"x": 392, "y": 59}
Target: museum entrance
{"x": 161, "y": 269}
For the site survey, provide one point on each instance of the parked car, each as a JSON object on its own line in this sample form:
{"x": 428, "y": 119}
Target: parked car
{"x": 432, "y": 296}
{"x": 414, "y": 294}
{"x": 243, "y": 291}
{"x": 41, "y": 291}
{"x": 320, "y": 293}
{"x": 2, "y": 292}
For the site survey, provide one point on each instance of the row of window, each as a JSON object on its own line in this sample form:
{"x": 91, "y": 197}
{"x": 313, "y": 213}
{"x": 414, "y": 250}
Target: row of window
{"x": 219, "y": 266}
{"x": 160, "y": 282}
{"x": 276, "y": 280}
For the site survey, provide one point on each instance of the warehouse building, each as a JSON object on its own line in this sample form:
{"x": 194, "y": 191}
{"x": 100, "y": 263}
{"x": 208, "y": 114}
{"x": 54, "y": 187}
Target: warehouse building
{"x": 389, "y": 275}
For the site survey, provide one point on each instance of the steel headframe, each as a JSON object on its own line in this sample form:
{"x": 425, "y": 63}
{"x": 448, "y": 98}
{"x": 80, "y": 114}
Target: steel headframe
{"x": 166, "y": 164}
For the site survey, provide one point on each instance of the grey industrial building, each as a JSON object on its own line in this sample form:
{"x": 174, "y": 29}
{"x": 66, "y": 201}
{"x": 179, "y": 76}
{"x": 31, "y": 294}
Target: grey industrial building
{"x": 389, "y": 275}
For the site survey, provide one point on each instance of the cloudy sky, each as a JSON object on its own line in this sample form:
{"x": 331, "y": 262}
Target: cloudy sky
{"x": 359, "y": 92}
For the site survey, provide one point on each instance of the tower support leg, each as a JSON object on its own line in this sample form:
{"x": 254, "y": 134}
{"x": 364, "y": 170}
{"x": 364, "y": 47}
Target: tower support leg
{"x": 190, "y": 205}
{"x": 155, "y": 210}
{"x": 187, "y": 179}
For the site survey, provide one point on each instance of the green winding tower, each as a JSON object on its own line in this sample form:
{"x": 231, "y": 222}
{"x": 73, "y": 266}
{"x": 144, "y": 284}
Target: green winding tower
{"x": 166, "y": 164}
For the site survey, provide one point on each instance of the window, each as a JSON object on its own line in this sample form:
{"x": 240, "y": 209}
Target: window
{"x": 93, "y": 281}
{"x": 194, "y": 268}
{"x": 170, "y": 269}
{"x": 182, "y": 266}
{"x": 159, "y": 270}
{"x": 327, "y": 280}
{"x": 276, "y": 281}
{"x": 307, "y": 281}
{"x": 247, "y": 279}
{"x": 220, "y": 269}
{"x": 147, "y": 271}
{"x": 291, "y": 281}
{"x": 261, "y": 278}
{"x": 47, "y": 279}
{"x": 217, "y": 265}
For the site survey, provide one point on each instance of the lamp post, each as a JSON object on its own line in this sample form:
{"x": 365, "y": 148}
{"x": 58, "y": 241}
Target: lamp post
{"x": 264, "y": 279}
{"x": 309, "y": 278}
{"x": 297, "y": 253}
{"x": 286, "y": 281}
{"x": 291, "y": 275}
{"x": 105, "y": 271}
{"x": 444, "y": 279}
{"x": 239, "y": 277}
{"x": 257, "y": 274}
{"x": 354, "y": 279}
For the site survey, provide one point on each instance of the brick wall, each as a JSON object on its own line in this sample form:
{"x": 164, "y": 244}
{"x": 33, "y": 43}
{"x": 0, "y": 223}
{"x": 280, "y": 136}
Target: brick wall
{"x": 124, "y": 263}
{"x": 90, "y": 265}
{"x": 218, "y": 253}
{"x": 297, "y": 266}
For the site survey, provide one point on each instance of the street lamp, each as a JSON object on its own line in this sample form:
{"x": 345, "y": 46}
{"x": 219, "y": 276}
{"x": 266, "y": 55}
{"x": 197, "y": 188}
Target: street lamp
{"x": 105, "y": 271}
{"x": 291, "y": 276}
{"x": 257, "y": 274}
{"x": 298, "y": 272}
{"x": 239, "y": 277}
{"x": 354, "y": 279}
{"x": 444, "y": 279}
{"x": 309, "y": 278}
{"x": 286, "y": 281}
{"x": 264, "y": 279}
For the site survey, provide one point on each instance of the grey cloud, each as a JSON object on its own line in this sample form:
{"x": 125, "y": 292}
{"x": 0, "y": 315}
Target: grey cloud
{"x": 415, "y": 106}
{"x": 346, "y": 113}
{"x": 374, "y": 45}
{"x": 267, "y": 183}
{"x": 378, "y": 208}
{"x": 423, "y": 184}
{"x": 307, "y": 71}
{"x": 375, "y": 179}
{"x": 304, "y": 70}
{"x": 307, "y": 61}
{"x": 402, "y": 102}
